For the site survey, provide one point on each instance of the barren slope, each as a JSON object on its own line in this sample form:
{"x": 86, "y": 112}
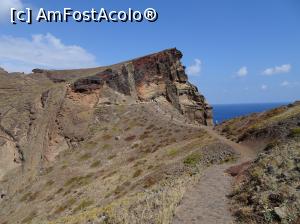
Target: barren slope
{"x": 117, "y": 144}
{"x": 268, "y": 192}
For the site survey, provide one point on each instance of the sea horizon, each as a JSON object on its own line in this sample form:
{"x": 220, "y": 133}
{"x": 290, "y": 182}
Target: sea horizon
{"x": 223, "y": 112}
{"x": 284, "y": 102}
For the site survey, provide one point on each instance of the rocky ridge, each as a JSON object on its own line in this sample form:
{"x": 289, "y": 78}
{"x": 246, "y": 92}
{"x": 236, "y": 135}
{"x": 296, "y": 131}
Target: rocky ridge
{"x": 90, "y": 138}
{"x": 155, "y": 77}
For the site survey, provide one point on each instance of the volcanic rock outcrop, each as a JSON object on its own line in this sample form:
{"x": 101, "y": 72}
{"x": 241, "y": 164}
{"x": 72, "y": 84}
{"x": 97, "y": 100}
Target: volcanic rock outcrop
{"x": 65, "y": 133}
{"x": 41, "y": 110}
{"x": 150, "y": 78}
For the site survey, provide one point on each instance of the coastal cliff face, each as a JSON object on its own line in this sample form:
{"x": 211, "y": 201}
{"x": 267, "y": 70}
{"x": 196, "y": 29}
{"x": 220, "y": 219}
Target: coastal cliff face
{"x": 150, "y": 78}
{"x": 47, "y": 104}
{"x": 78, "y": 140}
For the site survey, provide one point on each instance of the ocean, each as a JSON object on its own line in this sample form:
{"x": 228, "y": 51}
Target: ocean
{"x": 222, "y": 112}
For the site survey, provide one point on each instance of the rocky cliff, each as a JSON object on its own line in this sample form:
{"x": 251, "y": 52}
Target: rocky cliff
{"x": 153, "y": 77}
{"x": 45, "y": 105}
{"x": 73, "y": 141}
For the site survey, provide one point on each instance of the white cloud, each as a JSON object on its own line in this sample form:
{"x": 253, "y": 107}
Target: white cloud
{"x": 41, "y": 51}
{"x": 242, "y": 72}
{"x": 278, "y": 69}
{"x": 285, "y": 83}
{"x": 264, "y": 87}
{"x": 195, "y": 68}
{"x": 6, "y": 5}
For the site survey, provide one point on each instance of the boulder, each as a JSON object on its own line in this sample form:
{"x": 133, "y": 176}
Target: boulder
{"x": 281, "y": 212}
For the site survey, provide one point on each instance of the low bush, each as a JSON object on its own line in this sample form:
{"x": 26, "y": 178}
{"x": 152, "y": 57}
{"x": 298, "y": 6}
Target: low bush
{"x": 95, "y": 164}
{"x": 193, "y": 159}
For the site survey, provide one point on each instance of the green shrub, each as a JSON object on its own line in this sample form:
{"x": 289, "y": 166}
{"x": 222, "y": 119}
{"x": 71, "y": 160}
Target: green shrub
{"x": 95, "y": 164}
{"x": 130, "y": 138}
{"x": 29, "y": 217}
{"x": 85, "y": 157}
{"x": 295, "y": 132}
{"x": 111, "y": 156}
{"x": 78, "y": 181}
{"x": 65, "y": 206}
{"x": 106, "y": 146}
{"x": 49, "y": 183}
{"x": 137, "y": 173}
{"x": 149, "y": 181}
{"x": 84, "y": 204}
{"x": 106, "y": 137}
{"x": 271, "y": 145}
{"x": 172, "y": 152}
{"x": 91, "y": 145}
{"x": 30, "y": 196}
{"x": 59, "y": 190}
{"x": 193, "y": 159}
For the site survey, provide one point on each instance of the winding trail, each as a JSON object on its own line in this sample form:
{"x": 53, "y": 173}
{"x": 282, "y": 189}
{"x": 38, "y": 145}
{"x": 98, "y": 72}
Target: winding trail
{"x": 206, "y": 202}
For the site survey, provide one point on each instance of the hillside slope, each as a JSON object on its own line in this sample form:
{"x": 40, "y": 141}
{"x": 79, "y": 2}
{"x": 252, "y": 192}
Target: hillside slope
{"x": 268, "y": 191}
{"x": 115, "y": 144}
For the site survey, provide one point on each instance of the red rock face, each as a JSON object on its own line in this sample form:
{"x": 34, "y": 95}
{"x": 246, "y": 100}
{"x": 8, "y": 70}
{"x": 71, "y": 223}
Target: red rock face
{"x": 148, "y": 78}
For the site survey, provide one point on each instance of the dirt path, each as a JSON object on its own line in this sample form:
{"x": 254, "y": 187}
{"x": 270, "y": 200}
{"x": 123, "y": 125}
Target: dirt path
{"x": 206, "y": 202}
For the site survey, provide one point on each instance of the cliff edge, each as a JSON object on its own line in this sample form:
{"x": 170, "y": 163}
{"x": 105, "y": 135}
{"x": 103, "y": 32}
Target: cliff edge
{"x": 155, "y": 77}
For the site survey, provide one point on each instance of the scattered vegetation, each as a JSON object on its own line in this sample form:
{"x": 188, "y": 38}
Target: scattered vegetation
{"x": 78, "y": 181}
{"x": 96, "y": 164}
{"x": 30, "y": 196}
{"x": 106, "y": 137}
{"x": 29, "y": 218}
{"x": 110, "y": 157}
{"x": 48, "y": 170}
{"x": 106, "y": 146}
{"x": 173, "y": 152}
{"x": 130, "y": 138}
{"x": 137, "y": 173}
{"x": 84, "y": 157}
{"x": 193, "y": 159}
{"x": 145, "y": 135}
{"x": 270, "y": 192}
{"x": 49, "y": 183}
{"x": 59, "y": 191}
{"x": 83, "y": 205}
{"x": 153, "y": 206}
{"x": 65, "y": 205}
{"x": 91, "y": 145}
{"x": 149, "y": 181}
{"x": 295, "y": 132}
{"x": 121, "y": 188}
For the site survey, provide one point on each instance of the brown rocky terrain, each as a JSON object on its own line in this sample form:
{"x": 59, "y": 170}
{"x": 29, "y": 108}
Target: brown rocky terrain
{"x": 267, "y": 190}
{"x": 134, "y": 143}
{"x": 115, "y": 144}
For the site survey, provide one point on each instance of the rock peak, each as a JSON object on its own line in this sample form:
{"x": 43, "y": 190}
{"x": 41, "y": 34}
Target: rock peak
{"x": 155, "y": 77}
{"x": 2, "y": 70}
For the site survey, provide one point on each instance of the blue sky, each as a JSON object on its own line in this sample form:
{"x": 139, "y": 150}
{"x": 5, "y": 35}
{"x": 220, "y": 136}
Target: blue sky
{"x": 236, "y": 51}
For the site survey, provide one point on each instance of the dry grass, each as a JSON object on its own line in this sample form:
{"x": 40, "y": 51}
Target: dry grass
{"x": 84, "y": 157}
{"x": 148, "y": 207}
{"x": 137, "y": 173}
{"x": 30, "y": 196}
{"x": 66, "y": 205}
{"x": 80, "y": 181}
{"x": 83, "y": 205}
{"x": 29, "y": 218}
{"x": 96, "y": 164}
